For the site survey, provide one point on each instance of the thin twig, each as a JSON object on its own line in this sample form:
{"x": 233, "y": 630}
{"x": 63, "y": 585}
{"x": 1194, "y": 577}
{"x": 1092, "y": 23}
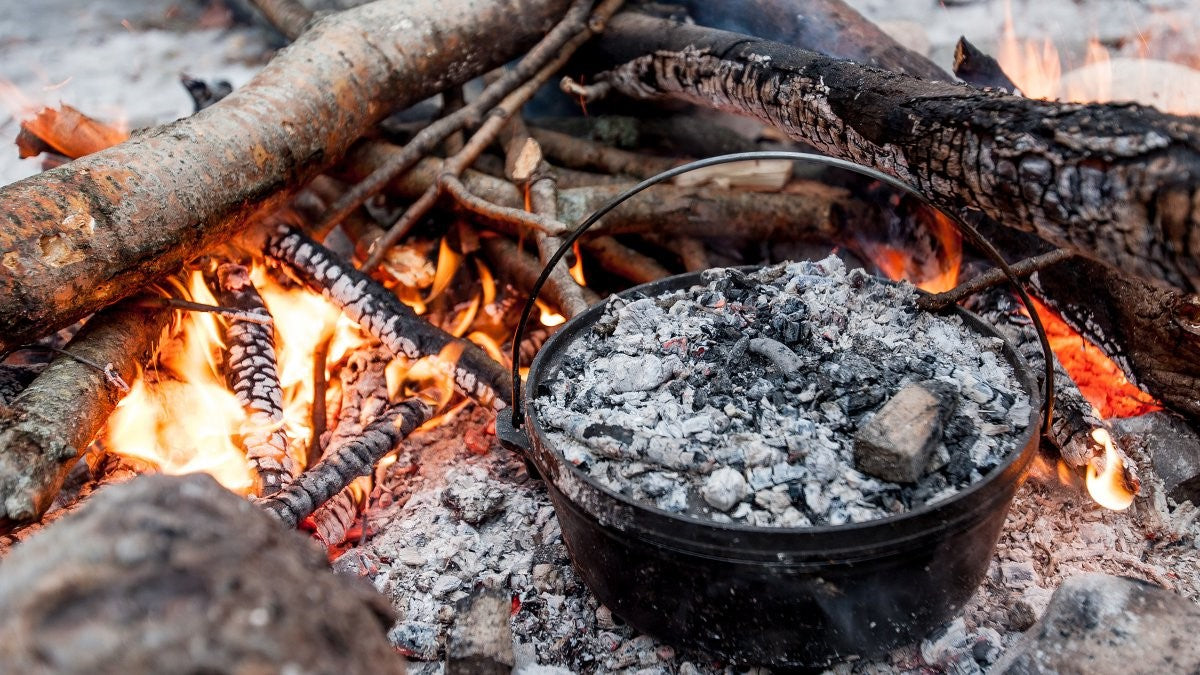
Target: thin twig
{"x": 497, "y": 118}
{"x": 158, "y": 302}
{"x": 519, "y": 220}
{"x": 581, "y": 153}
{"x": 992, "y": 277}
{"x": 110, "y": 372}
{"x": 428, "y": 138}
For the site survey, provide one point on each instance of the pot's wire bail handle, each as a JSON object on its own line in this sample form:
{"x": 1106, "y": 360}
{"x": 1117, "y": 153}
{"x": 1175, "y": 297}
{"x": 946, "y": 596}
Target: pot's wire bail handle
{"x": 965, "y": 228}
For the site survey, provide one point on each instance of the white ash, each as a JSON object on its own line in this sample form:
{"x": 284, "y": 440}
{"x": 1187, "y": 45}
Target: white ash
{"x": 738, "y": 400}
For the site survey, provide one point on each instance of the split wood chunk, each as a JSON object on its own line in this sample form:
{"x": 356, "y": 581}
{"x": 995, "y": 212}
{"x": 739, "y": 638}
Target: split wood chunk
{"x": 178, "y": 575}
{"x": 898, "y": 441}
{"x": 480, "y": 643}
{"x": 86, "y": 234}
{"x": 1103, "y": 625}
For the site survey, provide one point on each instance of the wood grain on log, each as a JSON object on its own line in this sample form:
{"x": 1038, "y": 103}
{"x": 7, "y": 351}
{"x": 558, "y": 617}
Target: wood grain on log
{"x": 1119, "y": 183}
{"x": 48, "y": 426}
{"x": 178, "y": 575}
{"x": 86, "y": 234}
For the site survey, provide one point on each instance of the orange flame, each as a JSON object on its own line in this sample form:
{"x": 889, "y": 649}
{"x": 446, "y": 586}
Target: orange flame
{"x": 1106, "y": 481}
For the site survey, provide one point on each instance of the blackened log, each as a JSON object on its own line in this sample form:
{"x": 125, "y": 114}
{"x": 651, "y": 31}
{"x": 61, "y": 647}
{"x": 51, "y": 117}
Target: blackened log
{"x": 251, "y": 370}
{"x": 86, "y": 234}
{"x": 49, "y": 425}
{"x": 1075, "y": 420}
{"x": 828, "y": 26}
{"x": 1113, "y": 182}
{"x": 342, "y": 464}
{"x": 384, "y": 317}
{"x": 1153, "y": 334}
{"x": 168, "y": 574}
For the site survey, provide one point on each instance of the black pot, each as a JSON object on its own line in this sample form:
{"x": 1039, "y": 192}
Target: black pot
{"x": 765, "y": 595}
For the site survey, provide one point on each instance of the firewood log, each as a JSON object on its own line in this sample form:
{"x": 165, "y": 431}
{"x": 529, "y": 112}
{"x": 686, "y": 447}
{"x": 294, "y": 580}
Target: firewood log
{"x": 1112, "y": 182}
{"x": 84, "y": 235}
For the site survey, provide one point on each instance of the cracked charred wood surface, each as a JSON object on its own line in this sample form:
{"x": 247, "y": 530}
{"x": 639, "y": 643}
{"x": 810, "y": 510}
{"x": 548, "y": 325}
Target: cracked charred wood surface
{"x": 49, "y": 424}
{"x": 252, "y": 372}
{"x": 385, "y": 318}
{"x": 168, "y": 574}
{"x": 345, "y": 462}
{"x": 86, "y": 234}
{"x": 827, "y": 26}
{"x": 1119, "y": 183}
{"x": 1153, "y": 334}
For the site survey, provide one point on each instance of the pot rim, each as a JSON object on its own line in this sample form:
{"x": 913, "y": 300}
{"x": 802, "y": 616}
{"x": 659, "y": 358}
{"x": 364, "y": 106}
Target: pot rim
{"x": 563, "y": 337}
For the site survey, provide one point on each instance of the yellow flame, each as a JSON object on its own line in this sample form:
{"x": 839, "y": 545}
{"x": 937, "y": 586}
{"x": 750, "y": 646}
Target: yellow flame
{"x": 1106, "y": 482}
{"x": 577, "y": 269}
{"x": 487, "y": 281}
{"x": 549, "y": 317}
{"x": 489, "y": 345}
{"x": 187, "y": 421}
{"x": 447, "y": 265}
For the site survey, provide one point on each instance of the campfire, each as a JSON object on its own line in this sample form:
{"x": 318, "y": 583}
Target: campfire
{"x": 309, "y": 289}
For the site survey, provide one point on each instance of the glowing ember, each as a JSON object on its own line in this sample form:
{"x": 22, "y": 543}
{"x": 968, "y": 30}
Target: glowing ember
{"x": 1106, "y": 481}
{"x": 1099, "y": 378}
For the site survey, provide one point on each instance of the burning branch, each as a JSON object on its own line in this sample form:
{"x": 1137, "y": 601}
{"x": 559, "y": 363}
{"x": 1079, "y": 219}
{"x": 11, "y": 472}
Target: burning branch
{"x": 48, "y": 425}
{"x": 342, "y": 464}
{"x": 252, "y": 373}
{"x": 387, "y": 319}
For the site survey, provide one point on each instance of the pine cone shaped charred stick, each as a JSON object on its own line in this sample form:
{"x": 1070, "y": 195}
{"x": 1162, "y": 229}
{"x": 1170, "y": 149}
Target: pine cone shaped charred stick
{"x": 342, "y": 464}
{"x": 384, "y": 317}
{"x": 1072, "y": 429}
{"x": 253, "y": 375}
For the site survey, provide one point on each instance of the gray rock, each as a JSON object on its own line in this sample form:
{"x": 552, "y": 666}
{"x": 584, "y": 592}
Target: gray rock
{"x": 1174, "y": 449}
{"x": 481, "y": 641}
{"x": 1100, "y": 624}
{"x": 898, "y": 441}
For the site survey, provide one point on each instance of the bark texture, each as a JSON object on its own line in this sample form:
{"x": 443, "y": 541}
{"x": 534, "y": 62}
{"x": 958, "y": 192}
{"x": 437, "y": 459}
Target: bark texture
{"x": 48, "y": 426}
{"x": 1118, "y": 183}
{"x": 252, "y": 372}
{"x": 86, "y": 234}
{"x": 178, "y": 575}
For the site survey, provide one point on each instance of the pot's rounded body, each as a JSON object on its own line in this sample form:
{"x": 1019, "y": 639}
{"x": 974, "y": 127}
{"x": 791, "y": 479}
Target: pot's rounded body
{"x": 776, "y": 596}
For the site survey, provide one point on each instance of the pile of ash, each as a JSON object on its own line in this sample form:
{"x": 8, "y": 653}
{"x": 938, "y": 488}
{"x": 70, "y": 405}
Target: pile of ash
{"x": 800, "y": 394}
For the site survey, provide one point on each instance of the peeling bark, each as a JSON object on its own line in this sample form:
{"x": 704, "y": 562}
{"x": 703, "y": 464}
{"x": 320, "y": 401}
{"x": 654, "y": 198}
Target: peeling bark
{"x": 91, "y": 232}
{"x": 1119, "y": 183}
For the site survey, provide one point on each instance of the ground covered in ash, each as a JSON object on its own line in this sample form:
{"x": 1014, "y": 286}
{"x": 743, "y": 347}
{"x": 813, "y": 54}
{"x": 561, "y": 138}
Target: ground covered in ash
{"x": 739, "y": 400}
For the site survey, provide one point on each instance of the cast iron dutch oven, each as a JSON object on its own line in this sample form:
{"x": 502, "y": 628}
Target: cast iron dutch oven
{"x": 766, "y": 595}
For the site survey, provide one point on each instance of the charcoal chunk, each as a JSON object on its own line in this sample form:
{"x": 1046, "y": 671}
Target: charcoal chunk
{"x": 895, "y": 445}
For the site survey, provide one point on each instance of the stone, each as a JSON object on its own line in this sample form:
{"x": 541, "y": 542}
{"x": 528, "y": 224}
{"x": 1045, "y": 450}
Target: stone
{"x": 481, "y": 642}
{"x": 897, "y": 442}
{"x": 1100, "y": 624}
{"x": 724, "y": 488}
{"x": 1173, "y": 447}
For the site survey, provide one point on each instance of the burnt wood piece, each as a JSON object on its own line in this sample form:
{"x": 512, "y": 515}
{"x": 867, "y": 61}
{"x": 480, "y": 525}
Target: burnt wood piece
{"x": 975, "y": 67}
{"x": 342, "y": 464}
{"x": 827, "y": 26}
{"x": 513, "y": 265}
{"x": 384, "y": 317}
{"x": 49, "y": 424}
{"x": 86, "y": 234}
{"x": 1074, "y": 417}
{"x": 896, "y": 443}
{"x": 364, "y": 395}
{"x": 168, "y": 574}
{"x": 15, "y": 377}
{"x": 252, "y": 373}
{"x": 1113, "y": 182}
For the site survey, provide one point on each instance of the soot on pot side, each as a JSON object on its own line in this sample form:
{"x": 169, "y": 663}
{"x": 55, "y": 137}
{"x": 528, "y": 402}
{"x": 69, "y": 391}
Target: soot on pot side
{"x": 744, "y": 399}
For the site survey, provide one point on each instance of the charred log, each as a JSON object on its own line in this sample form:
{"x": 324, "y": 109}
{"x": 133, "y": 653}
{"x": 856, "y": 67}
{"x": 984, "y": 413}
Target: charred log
{"x": 1110, "y": 182}
{"x": 252, "y": 374}
{"x": 49, "y": 424}
{"x": 388, "y": 320}
{"x": 344, "y": 463}
{"x": 80, "y": 237}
